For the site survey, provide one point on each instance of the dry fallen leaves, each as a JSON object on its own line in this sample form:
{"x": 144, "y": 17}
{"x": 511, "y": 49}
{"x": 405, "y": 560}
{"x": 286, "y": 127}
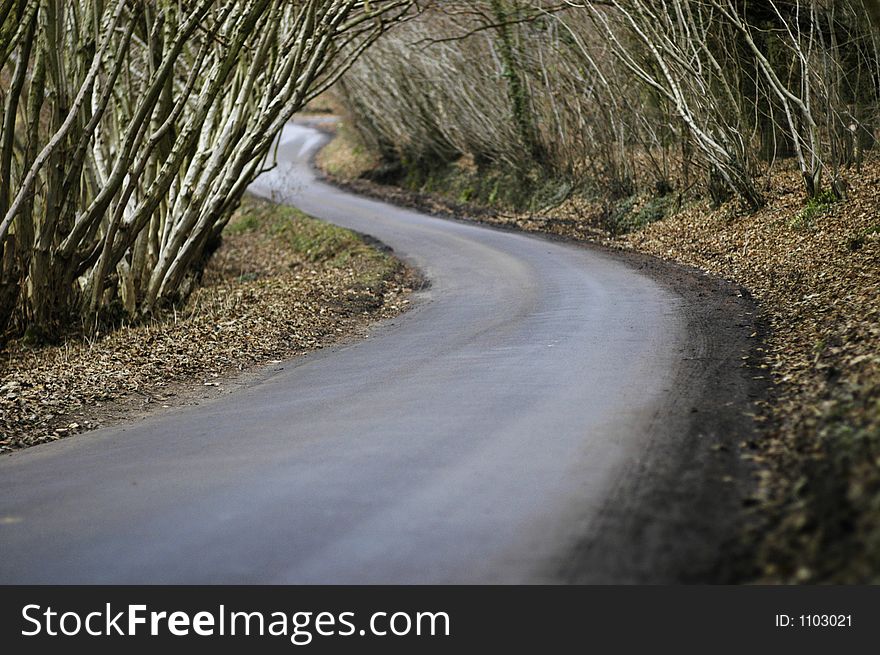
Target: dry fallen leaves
{"x": 263, "y": 297}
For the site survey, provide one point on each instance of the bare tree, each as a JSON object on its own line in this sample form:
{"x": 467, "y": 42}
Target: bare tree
{"x": 132, "y": 129}
{"x": 621, "y": 92}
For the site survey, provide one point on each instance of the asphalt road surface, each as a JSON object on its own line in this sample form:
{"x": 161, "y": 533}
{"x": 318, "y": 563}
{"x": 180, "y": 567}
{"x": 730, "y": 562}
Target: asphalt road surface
{"x": 478, "y": 438}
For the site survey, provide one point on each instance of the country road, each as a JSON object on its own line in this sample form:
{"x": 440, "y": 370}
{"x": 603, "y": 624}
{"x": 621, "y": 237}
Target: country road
{"x": 530, "y": 419}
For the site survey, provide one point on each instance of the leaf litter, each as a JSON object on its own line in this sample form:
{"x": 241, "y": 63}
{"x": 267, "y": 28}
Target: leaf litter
{"x": 282, "y": 284}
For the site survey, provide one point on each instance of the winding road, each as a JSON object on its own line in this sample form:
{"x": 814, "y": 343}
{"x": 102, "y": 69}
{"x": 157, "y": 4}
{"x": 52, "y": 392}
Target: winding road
{"x": 478, "y": 438}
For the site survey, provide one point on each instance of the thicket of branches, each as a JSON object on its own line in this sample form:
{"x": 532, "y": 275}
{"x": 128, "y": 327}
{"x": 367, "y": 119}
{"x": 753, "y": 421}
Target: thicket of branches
{"x": 131, "y": 128}
{"x": 630, "y": 95}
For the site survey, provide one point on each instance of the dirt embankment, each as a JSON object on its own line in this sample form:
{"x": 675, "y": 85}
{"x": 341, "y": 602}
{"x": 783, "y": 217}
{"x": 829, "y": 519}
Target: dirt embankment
{"x": 281, "y": 284}
{"x": 814, "y": 269}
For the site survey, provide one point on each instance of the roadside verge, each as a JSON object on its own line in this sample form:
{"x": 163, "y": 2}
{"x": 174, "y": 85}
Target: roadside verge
{"x": 281, "y": 284}
{"x": 813, "y": 272}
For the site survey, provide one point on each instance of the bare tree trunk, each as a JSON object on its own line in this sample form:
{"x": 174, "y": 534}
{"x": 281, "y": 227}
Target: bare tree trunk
{"x": 141, "y": 130}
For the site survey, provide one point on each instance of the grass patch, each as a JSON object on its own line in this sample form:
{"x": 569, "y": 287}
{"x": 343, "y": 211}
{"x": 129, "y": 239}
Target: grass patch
{"x": 243, "y": 223}
{"x": 346, "y": 157}
{"x": 315, "y": 240}
{"x": 805, "y": 219}
{"x": 312, "y": 240}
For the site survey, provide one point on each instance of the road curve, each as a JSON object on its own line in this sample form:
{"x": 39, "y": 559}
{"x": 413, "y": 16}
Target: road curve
{"x": 475, "y": 439}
